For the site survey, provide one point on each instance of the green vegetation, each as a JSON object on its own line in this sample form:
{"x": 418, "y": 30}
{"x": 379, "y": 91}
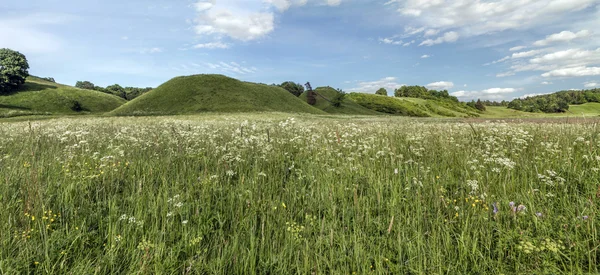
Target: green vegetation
{"x": 347, "y": 107}
{"x": 424, "y": 93}
{"x": 294, "y": 88}
{"x": 555, "y": 103}
{"x": 584, "y": 110}
{"x": 381, "y": 91}
{"x": 213, "y": 93}
{"x": 413, "y": 106}
{"x": 40, "y": 97}
{"x": 13, "y": 70}
{"x": 128, "y": 93}
{"x": 269, "y": 194}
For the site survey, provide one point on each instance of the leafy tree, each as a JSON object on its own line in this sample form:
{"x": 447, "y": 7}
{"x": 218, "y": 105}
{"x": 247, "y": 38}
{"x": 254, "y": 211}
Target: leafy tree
{"x": 117, "y": 90}
{"x": 13, "y": 70}
{"x": 479, "y": 105}
{"x": 338, "y": 99}
{"x": 85, "y": 85}
{"x": 381, "y": 91}
{"x": 294, "y": 88}
{"x": 76, "y": 106}
{"x": 49, "y": 79}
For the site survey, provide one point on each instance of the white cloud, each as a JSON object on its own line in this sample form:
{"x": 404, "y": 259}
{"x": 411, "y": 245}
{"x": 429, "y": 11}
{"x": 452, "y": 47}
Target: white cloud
{"x": 546, "y": 83}
{"x": 440, "y": 85}
{"x": 591, "y": 84}
{"x": 477, "y": 17}
{"x": 573, "y": 72}
{"x": 408, "y": 43}
{"x": 525, "y": 54}
{"x": 391, "y": 41}
{"x": 389, "y": 83}
{"x": 448, "y": 37}
{"x": 517, "y": 48}
{"x": 231, "y": 67}
{"x": 212, "y": 45}
{"x": 242, "y": 19}
{"x": 491, "y": 94}
{"x": 505, "y": 74}
{"x": 425, "y": 56}
{"x": 569, "y": 57}
{"x": 431, "y": 32}
{"x": 564, "y": 36}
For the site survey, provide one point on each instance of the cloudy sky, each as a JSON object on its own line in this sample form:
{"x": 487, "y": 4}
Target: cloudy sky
{"x": 489, "y": 49}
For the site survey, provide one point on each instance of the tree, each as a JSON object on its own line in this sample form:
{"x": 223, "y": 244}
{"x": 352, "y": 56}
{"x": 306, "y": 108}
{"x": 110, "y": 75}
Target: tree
{"x": 117, "y": 90}
{"x": 381, "y": 91}
{"x": 479, "y": 105}
{"x": 294, "y": 88}
{"x": 338, "y": 99}
{"x": 85, "y": 85}
{"x": 13, "y": 70}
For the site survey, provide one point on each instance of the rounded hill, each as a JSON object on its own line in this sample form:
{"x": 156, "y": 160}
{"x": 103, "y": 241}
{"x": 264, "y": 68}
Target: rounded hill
{"x": 213, "y": 93}
{"x": 41, "y": 97}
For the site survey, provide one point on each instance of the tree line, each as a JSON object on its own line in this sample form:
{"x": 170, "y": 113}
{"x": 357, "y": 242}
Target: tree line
{"x": 127, "y": 93}
{"x": 555, "y": 103}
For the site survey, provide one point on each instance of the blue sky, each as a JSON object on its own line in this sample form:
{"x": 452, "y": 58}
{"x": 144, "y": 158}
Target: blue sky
{"x": 496, "y": 49}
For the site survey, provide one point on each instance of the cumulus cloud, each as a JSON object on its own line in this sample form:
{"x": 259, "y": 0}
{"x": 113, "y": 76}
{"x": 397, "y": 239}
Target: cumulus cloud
{"x": 389, "y": 83}
{"x": 491, "y": 94}
{"x": 448, "y": 37}
{"x": 212, "y": 45}
{"x": 564, "y": 36}
{"x": 591, "y": 84}
{"x": 425, "y": 56}
{"x": 517, "y": 48}
{"x": 241, "y": 19}
{"x": 440, "y": 85}
{"x": 573, "y": 72}
{"x": 477, "y": 17}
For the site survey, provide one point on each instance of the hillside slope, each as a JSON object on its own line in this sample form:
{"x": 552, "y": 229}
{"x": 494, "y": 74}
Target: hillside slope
{"x": 417, "y": 107}
{"x": 349, "y": 107}
{"x": 591, "y": 109}
{"x": 213, "y": 93}
{"x": 41, "y": 97}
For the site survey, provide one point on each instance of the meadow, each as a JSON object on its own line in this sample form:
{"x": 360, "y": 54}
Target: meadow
{"x": 298, "y": 194}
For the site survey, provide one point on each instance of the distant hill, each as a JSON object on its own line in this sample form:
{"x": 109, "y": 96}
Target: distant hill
{"x": 213, "y": 93}
{"x": 417, "y": 107}
{"x": 349, "y": 107}
{"x": 40, "y": 97}
{"x": 558, "y": 102}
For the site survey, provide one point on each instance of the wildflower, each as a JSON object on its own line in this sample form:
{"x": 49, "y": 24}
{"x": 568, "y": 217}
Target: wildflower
{"x": 283, "y": 204}
{"x": 184, "y": 222}
{"x": 495, "y": 208}
{"x": 585, "y": 218}
{"x": 539, "y": 214}
{"x": 521, "y": 208}
{"x": 396, "y": 171}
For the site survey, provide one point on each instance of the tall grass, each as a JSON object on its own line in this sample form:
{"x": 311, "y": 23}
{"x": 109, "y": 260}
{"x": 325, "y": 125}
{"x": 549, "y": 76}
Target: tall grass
{"x": 272, "y": 195}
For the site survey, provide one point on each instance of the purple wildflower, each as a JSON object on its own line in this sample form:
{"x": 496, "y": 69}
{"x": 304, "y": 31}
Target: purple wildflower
{"x": 585, "y": 217}
{"x": 521, "y": 208}
{"x": 539, "y": 214}
{"x": 511, "y": 204}
{"x": 495, "y": 208}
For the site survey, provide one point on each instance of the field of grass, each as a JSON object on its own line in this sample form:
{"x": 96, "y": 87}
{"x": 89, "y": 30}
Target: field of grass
{"x": 41, "y": 97}
{"x": 349, "y": 107}
{"x": 213, "y": 93}
{"x": 273, "y": 194}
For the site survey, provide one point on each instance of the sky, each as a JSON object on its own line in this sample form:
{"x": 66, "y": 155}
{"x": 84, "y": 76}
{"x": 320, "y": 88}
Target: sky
{"x": 488, "y": 49}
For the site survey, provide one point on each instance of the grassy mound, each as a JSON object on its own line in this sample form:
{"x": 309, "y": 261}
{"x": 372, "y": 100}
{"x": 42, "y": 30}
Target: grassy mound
{"x": 213, "y": 93}
{"x": 349, "y": 107}
{"x": 41, "y": 97}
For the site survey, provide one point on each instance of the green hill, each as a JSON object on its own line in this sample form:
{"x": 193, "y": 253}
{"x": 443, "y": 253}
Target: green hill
{"x": 213, "y": 93}
{"x": 349, "y": 107}
{"x": 41, "y": 97}
{"x": 417, "y": 107}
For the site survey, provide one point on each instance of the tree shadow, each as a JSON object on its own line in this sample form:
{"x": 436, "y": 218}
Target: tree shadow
{"x": 30, "y": 87}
